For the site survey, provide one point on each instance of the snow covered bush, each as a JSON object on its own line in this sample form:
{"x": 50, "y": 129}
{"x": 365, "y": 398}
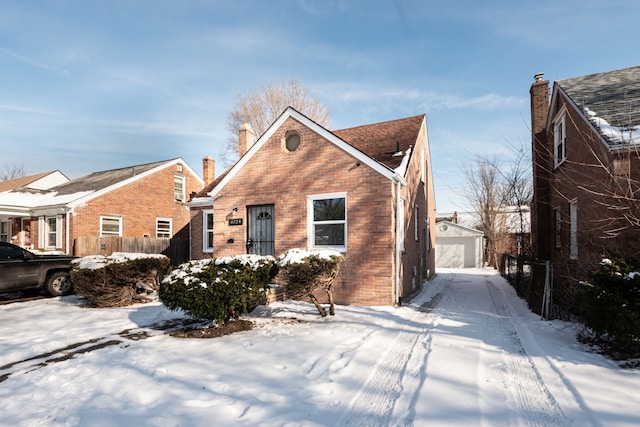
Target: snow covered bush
{"x": 119, "y": 279}
{"x": 611, "y": 307}
{"x": 219, "y": 289}
{"x": 305, "y": 271}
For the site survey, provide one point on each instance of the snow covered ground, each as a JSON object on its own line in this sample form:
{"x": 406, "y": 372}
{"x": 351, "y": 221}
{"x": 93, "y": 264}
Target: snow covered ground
{"x": 466, "y": 351}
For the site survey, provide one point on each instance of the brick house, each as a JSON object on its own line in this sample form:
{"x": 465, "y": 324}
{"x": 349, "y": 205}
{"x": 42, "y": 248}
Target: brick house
{"x": 364, "y": 191}
{"x": 148, "y": 200}
{"x": 585, "y": 170}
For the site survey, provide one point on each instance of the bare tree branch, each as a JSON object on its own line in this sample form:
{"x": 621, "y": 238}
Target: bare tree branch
{"x": 261, "y": 107}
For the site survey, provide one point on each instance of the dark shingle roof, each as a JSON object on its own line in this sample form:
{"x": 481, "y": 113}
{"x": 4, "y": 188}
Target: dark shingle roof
{"x": 380, "y": 141}
{"x": 613, "y": 96}
{"x": 100, "y": 180}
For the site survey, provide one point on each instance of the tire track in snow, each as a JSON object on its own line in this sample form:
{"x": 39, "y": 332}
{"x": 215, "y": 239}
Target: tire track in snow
{"x": 373, "y": 404}
{"x": 531, "y": 399}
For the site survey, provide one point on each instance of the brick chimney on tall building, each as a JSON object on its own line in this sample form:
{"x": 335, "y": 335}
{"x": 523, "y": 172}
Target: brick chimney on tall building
{"x": 541, "y": 157}
{"x": 208, "y": 170}
{"x": 246, "y": 138}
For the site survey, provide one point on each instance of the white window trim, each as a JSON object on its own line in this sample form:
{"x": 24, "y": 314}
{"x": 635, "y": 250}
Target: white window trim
{"x": 8, "y": 229}
{"x": 103, "y": 217}
{"x": 43, "y": 232}
{"x": 182, "y": 196}
{"x": 401, "y": 224}
{"x": 170, "y": 221}
{"x": 311, "y": 223}
{"x": 205, "y": 232}
{"x": 560, "y": 136}
{"x": 573, "y": 216}
{"x": 416, "y": 227}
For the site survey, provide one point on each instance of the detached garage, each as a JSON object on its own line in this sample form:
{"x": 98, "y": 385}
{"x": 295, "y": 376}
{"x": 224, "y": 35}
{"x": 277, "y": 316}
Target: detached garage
{"x": 458, "y": 246}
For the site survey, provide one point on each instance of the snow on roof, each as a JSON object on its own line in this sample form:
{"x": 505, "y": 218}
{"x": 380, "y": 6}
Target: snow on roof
{"x": 615, "y": 134}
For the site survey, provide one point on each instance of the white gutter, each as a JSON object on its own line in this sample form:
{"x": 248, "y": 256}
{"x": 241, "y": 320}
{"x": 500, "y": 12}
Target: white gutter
{"x": 400, "y": 182}
{"x": 68, "y": 233}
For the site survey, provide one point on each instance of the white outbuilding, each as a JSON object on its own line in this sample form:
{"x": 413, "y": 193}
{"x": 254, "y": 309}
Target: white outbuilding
{"x": 458, "y": 246}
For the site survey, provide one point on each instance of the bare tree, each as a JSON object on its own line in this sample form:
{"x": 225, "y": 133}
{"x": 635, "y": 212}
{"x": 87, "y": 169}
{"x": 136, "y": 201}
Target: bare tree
{"x": 496, "y": 193}
{"x": 261, "y": 107}
{"x": 11, "y": 171}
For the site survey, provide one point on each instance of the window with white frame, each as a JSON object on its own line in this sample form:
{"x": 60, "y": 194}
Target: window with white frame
{"x": 5, "y": 232}
{"x": 163, "y": 228}
{"x": 179, "y": 192}
{"x": 560, "y": 139}
{"x": 416, "y": 221}
{"x": 110, "y": 226}
{"x": 573, "y": 218}
{"x": 328, "y": 221}
{"x": 50, "y": 232}
{"x": 400, "y": 224}
{"x": 207, "y": 231}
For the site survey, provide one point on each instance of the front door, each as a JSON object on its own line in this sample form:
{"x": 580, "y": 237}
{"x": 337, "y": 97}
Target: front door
{"x": 260, "y": 230}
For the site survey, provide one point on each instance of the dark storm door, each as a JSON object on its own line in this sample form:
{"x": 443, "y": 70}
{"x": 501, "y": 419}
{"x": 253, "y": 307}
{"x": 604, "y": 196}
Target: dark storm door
{"x": 260, "y": 230}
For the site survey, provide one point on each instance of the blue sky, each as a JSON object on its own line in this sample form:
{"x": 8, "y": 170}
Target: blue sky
{"x": 93, "y": 85}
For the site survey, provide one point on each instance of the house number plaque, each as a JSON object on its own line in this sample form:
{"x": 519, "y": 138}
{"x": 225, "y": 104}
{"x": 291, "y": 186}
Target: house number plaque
{"x": 235, "y": 221}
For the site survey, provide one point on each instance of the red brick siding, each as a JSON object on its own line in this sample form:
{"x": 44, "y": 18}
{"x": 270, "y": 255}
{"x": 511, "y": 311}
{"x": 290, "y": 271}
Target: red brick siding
{"x": 274, "y": 176}
{"x": 139, "y": 204}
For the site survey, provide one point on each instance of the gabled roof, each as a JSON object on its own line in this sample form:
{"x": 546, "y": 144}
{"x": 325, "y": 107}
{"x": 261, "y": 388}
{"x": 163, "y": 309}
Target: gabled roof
{"x": 610, "y": 101}
{"x": 452, "y": 229}
{"x": 104, "y": 179}
{"x": 84, "y": 188}
{"x": 385, "y": 146}
{"x": 40, "y": 181}
{"x": 385, "y": 141}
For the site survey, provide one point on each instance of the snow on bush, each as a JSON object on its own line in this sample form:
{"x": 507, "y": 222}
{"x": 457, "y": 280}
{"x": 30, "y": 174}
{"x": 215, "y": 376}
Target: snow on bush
{"x": 219, "y": 289}
{"x": 305, "y": 271}
{"x": 118, "y": 279}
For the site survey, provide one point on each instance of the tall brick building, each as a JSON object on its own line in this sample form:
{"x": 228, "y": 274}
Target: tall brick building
{"x": 586, "y": 170}
{"x": 364, "y": 191}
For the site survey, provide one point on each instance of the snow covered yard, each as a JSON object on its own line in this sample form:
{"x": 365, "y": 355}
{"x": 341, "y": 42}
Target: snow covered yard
{"x": 465, "y": 352}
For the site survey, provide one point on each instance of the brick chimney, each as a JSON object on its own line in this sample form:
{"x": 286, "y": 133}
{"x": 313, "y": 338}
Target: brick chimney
{"x": 208, "y": 170}
{"x": 539, "y": 103}
{"x": 542, "y": 164}
{"x": 246, "y": 138}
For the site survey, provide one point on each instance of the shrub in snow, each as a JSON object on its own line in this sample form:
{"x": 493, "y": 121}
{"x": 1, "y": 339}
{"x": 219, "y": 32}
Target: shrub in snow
{"x": 219, "y": 289}
{"x": 611, "y": 307}
{"x": 305, "y": 271}
{"x": 119, "y": 279}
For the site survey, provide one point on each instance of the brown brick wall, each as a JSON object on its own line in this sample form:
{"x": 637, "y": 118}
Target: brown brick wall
{"x": 585, "y": 176}
{"x": 274, "y": 176}
{"x": 139, "y": 204}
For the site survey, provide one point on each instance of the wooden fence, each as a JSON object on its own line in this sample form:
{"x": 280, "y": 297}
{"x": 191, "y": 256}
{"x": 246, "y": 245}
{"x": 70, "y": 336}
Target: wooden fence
{"x": 176, "y": 249}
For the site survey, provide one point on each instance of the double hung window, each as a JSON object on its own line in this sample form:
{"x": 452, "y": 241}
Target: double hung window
{"x": 328, "y": 221}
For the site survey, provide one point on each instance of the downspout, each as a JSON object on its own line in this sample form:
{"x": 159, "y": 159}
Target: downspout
{"x": 68, "y": 232}
{"x": 397, "y": 293}
{"x": 398, "y": 255}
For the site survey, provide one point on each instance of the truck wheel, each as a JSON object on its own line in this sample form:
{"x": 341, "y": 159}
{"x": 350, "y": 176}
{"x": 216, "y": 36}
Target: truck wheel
{"x": 58, "y": 284}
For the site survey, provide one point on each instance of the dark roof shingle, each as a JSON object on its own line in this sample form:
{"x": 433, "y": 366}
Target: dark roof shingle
{"x": 613, "y": 96}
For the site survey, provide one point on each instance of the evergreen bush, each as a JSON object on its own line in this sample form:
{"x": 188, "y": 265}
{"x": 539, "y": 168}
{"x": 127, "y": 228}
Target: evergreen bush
{"x": 220, "y": 289}
{"x": 611, "y": 307}
{"x": 305, "y": 271}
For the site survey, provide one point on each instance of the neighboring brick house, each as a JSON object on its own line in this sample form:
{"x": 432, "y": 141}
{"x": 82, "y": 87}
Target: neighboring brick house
{"x": 585, "y": 170}
{"x": 364, "y": 191}
{"x": 148, "y": 200}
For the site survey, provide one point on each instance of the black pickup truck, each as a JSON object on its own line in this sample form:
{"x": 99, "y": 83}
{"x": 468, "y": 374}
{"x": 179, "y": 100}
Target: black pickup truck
{"x": 22, "y": 270}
